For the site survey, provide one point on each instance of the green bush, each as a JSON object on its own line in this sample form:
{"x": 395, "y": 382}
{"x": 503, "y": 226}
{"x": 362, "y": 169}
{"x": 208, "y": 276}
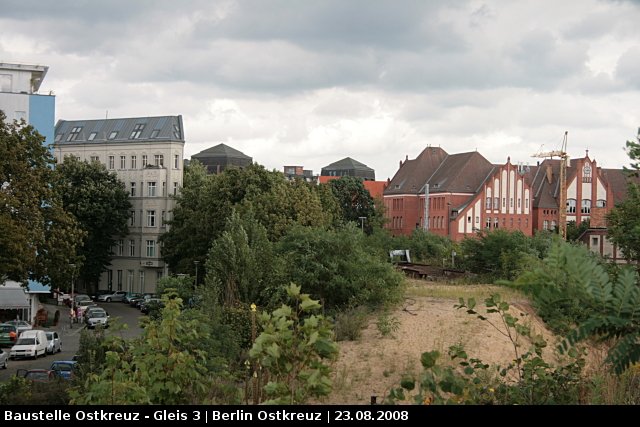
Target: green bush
{"x": 350, "y": 323}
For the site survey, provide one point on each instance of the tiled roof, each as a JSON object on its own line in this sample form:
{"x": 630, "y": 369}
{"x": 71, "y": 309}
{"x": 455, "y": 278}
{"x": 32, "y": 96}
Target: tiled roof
{"x": 460, "y": 173}
{"x": 618, "y": 180}
{"x": 143, "y": 129}
{"x": 221, "y": 150}
{"x": 413, "y": 174}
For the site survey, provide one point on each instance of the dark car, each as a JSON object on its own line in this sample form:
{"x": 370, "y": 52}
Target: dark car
{"x": 150, "y": 305}
{"x": 98, "y": 293}
{"x": 135, "y": 302}
{"x": 64, "y": 368}
{"x": 37, "y": 375}
{"x": 8, "y": 334}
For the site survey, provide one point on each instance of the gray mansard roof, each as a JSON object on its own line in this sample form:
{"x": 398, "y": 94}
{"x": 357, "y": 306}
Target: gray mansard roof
{"x": 143, "y": 129}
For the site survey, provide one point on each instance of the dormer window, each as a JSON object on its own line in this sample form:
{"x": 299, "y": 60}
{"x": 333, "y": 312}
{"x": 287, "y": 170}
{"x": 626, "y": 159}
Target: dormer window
{"x": 74, "y": 133}
{"x": 92, "y": 136}
{"x": 113, "y": 134}
{"x": 137, "y": 131}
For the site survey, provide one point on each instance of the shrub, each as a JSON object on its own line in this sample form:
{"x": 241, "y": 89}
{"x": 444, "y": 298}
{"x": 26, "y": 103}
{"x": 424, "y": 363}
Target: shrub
{"x": 350, "y": 323}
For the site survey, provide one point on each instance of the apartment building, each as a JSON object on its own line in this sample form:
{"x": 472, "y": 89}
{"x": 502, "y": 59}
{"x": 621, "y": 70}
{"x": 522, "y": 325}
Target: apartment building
{"x": 19, "y": 97}
{"x": 147, "y": 155}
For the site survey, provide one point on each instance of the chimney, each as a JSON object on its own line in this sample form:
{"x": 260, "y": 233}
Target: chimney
{"x": 549, "y": 174}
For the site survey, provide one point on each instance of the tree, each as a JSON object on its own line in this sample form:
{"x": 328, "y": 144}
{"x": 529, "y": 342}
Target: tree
{"x": 356, "y": 202}
{"x": 293, "y": 348}
{"x": 100, "y": 202}
{"x": 37, "y": 234}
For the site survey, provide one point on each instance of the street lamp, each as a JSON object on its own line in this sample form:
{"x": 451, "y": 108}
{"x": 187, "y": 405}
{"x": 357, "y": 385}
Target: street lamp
{"x": 362, "y": 218}
{"x": 196, "y": 263}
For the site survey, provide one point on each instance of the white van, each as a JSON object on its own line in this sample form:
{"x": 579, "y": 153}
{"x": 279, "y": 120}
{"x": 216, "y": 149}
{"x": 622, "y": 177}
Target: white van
{"x": 30, "y": 344}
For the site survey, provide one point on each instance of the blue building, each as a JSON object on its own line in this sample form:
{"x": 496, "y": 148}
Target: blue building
{"x": 19, "y": 97}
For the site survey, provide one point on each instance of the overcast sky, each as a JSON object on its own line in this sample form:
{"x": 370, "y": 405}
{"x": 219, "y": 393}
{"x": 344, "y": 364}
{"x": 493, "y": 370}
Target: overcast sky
{"x": 311, "y": 82}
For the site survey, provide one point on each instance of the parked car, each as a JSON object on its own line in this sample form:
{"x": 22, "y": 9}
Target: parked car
{"x": 4, "y": 358}
{"x": 21, "y": 325}
{"x": 131, "y": 295}
{"x": 55, "y": 344}
{"x": 8, "y": 334}
{"x": 37, "y": 375}
{"x": 151, "y": 304}
{"x": 97, "y": 317}
{"x": 112, "y": 296}
{"x": 98, "y": 293}
{"x": 64, "y": 368}
{"x": 81, "y": 297}
{"x": 135, "y": 302}
{"x": 30, "y": 344}
{"x": 82, "y": 307}
{"x": 89, "y": 310}
{"x": 144, "y": 299}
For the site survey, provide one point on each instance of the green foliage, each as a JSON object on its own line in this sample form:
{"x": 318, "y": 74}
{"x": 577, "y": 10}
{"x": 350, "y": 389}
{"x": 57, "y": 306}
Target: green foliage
{"x": 349, "y": 323}
{"x": 18, "y": 391}
{"x": 100, "y": 203}
{"x": 165, "y": 366}
{"x": 558, "y": 286}
{"x": 501, "y": 254}
{"x": 355, "y": 202}
{"x": 206, "y": 202}
{"x": 574, "y": 231}
{"x": 428, "y": 247}
{"x": 529, "y": 379}
{"x": 37, "y": 236}
{"x": 387, "y": 325}
{"x": 337, "y": 267}
{"x": 241, "y": 264}
{"x": 293, "y": 348}
{"x": 182, "y": 286}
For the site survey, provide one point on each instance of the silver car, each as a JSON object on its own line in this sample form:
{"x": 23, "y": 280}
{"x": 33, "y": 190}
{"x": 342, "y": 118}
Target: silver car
{"x": 4, "y": 357}
{"x": 112, "y": 296}
{"x": 97, "y": 317}
{"x": 55, "y": 344}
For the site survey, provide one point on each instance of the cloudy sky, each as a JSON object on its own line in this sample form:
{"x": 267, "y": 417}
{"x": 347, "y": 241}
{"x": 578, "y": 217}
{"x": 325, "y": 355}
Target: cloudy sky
{"x": 311, "y": 82}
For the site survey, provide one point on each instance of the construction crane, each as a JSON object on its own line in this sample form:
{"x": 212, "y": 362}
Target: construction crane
{"x": 562, "y": 202}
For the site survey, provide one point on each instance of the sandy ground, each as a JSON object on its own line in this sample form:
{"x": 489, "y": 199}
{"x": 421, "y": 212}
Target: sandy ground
{"x": 373, "y": 364}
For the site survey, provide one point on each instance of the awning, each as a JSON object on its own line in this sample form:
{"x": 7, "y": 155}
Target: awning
{"x": 13, "y": 298}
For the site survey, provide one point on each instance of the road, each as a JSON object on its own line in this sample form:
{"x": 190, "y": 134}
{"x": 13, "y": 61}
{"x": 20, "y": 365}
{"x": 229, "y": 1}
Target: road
{"x": 71, "y": 337}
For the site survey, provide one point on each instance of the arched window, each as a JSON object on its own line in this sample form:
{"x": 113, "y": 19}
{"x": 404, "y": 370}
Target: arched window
{"x": 586, "y": 173}
{"x": 601, "y": 203}
{"x": 586, "y": 206}
{"x": 571, "y": 206}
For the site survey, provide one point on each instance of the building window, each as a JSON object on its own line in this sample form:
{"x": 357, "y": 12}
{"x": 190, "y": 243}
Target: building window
{"x": 130, "y": 278}
{"x": 510, "y": 222}
{"x": 132, "y": 247}
{"x": 155, "y": 133}
{"x": 164, "y": 188}
{"x": 496, "y": 203}
{"x": 526, "y": 203}
{"x": 176, "y": 161}
{"x": 109, "y": 279}
{"x": 119, "y": 280}
{"x": 123, "y": 162}
{"x": 175, "y": 188}
{"x": 113, "y": 134}
{"x": 74, "y": 133}
{"x": 488, "y": 203}
{"x": 159, "y": 160}
{"x": 144, "y": 160}
{"x": 151, "y": 218}
{"x": 95, "y": 159}
{"x": 120, "y": 247}
{"x": 132, "y": 219}
{"x": 176, "y": 132}
{"x": 571, "y": 206}
{"x": 504, "y": 202}
{"x": 112, "y": 162}
{"x": 151, "y": 248}
{"x": 162, "y": 219}
{"x": 487, "y": 223}
{"x": 134, "y": 162}
{"x": 518, "y": 203}
{"x": 477, "y": 220}
{"x": 151, "y": 189}
{"x": 133, "y": 189}
{"x": 553, "y": 225}
{"x": 141, "y": 281}
{"x": 545, "y": 225}
{"x": 511, "y": 202}
{"x": 600, "y": 203}
{"x": 586, "y": 206}
{"x": 586, "y": 173}
{"x": 92, "y": 136}
{"x": 496, "y": 222}
{"x": 137, "y": 131}
{"x": 468, "y": 220}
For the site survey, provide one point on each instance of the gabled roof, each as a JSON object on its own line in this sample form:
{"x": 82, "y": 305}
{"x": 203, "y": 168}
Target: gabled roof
{"x": 134, "y": 129}
{"x": 348, "y": 164}
{"x": 619, "y": 180}
{"x": 413, "y": 174}
{"x": 221, "y": 150}
{"x": 460, "y": 173}
{"x": 545, "y": 193}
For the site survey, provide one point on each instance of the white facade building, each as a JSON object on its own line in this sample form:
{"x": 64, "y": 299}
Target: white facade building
{"x": 147, "y": 155}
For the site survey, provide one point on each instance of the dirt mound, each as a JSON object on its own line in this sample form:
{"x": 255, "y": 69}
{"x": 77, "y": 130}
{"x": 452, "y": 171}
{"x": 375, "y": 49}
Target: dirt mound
{"x": 373, "y": 364}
